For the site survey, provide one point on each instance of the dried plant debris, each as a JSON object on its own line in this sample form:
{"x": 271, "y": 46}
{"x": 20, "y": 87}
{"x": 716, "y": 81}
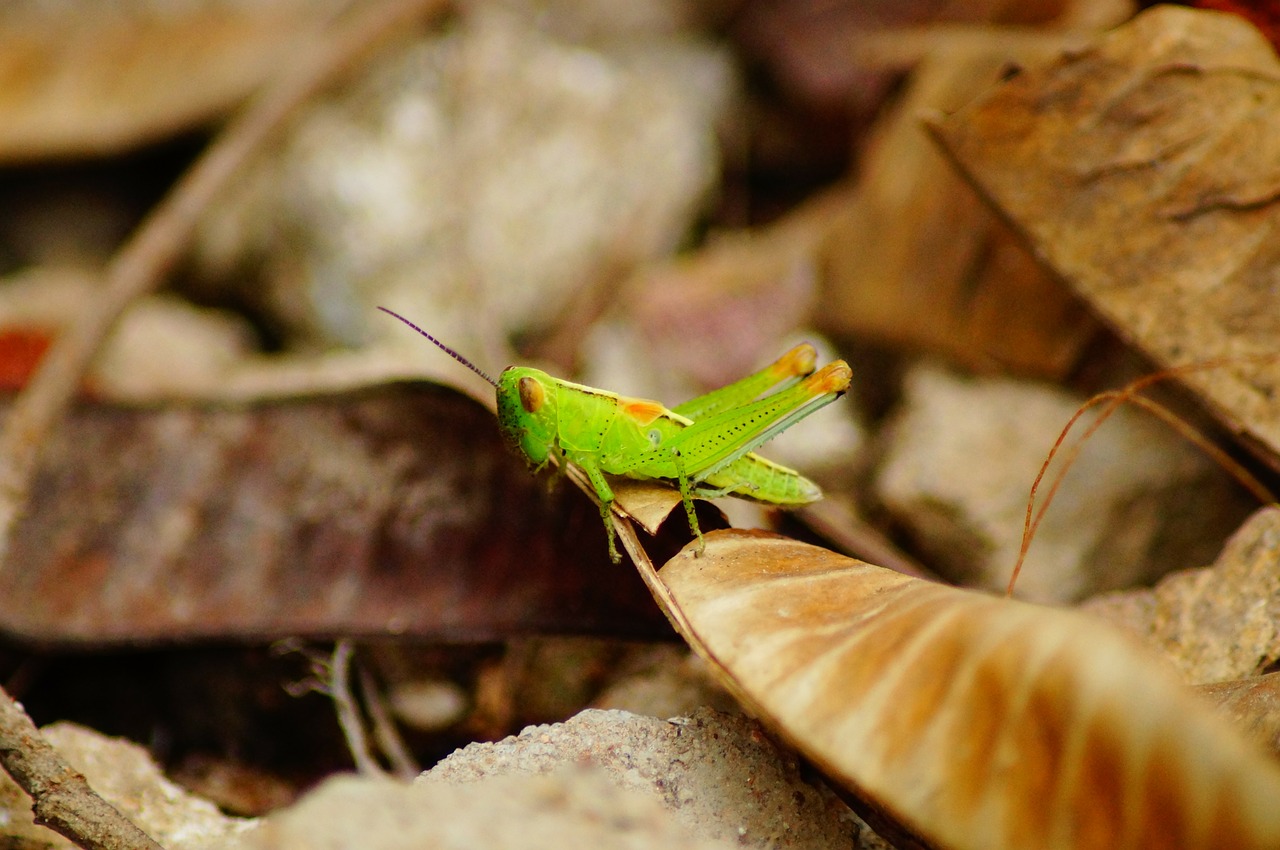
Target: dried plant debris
{"x": 1137, "y": 502}
{"x": 1217, "y": 623}
{"x": 604, "y": 21}
{"x": 718, "y": 313}
{"x": 1143, "y": 170}
{"x": 162, "y": 347}
{"x": 973, "y": 721}
{"x": 915, "y": 259}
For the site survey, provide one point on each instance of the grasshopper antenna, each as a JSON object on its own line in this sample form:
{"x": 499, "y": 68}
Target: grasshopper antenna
{"x": 446, "y": 349}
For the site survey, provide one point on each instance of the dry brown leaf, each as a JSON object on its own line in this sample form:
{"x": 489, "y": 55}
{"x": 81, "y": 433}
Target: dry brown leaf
{"x": 165, "y": 350}
{"x": 977, "y": 722}
{"x": 1216, "y": 623}
{"x": 915, "y": 259}
{"x": 648, "y": 503}
{"x": 94, "y": 78}
{"x": 1144, "y": 171}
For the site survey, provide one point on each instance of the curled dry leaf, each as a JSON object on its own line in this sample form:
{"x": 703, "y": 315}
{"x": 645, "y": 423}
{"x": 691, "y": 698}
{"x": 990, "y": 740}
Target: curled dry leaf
{"x": 162, "y": 348}
{"x": 1144, "y": 171}
{"x": 1217, "y": 623}
{"x": 976, "y": 722}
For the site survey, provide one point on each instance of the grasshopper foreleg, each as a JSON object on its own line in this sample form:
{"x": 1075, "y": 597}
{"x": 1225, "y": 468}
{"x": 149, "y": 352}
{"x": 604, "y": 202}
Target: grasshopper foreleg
{"x": 558, "y": 469}
{"x": 605, "y": 494}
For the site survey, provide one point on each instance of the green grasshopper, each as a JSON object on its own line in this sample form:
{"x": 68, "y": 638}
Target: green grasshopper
{"x": 704, "y": 445}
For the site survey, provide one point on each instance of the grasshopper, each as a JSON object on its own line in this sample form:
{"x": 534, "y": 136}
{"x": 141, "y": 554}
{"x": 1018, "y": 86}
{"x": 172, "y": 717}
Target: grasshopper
{"x": 704, "y": 445}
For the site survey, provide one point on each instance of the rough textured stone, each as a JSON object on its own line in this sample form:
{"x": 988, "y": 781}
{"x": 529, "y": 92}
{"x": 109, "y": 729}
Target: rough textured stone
{"x": 718, "y": 774}
{"x": 1217, "y": 623}
{"x": 573, "y": 807}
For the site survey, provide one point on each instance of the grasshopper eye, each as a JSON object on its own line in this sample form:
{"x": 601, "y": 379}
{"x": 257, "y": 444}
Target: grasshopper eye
{"x": 532, "y": 396}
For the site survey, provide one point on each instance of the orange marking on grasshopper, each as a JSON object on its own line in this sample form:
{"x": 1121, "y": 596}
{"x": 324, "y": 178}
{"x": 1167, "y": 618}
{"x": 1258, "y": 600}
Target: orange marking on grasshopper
{"x": 797, "y": 362}
{"x": 832, "y": 378}
{"x": 643, "y": 411}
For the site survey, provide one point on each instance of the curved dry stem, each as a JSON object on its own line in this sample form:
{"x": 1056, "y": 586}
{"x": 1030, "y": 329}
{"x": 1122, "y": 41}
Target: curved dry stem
{"x": 1115, "y": 398}
{"x": 1233, "y": 467}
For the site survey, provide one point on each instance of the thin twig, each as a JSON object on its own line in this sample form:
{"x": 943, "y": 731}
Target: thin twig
{"x": 61, "y": 797}
{"x": 390, "y": 742}
{"x": 339, "y": 690}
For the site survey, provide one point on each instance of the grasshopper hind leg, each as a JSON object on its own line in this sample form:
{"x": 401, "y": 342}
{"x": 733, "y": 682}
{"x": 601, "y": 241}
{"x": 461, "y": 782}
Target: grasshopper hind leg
{"x": 748, "y": 489}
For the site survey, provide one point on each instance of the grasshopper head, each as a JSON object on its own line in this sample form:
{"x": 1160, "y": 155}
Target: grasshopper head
{"x": 527, "y": 411}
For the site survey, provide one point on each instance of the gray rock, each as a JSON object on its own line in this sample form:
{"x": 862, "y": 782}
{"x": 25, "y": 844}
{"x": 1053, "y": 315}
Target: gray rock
{"x": 571, "y": 807}
{"x": 719, "y": 775}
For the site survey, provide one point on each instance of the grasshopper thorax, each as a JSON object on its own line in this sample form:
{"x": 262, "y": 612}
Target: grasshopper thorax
{"x": 527, "y": 411}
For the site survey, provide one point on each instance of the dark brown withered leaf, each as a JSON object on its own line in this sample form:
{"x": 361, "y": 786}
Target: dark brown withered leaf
{"x": 396, "y": 511}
